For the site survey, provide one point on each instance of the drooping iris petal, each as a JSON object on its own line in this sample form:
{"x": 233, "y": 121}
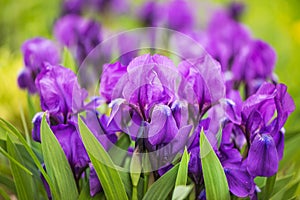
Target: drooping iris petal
{"x": 26, "y": 80}
{"x": 99, "y": 127}
{"x": 70, "y": 141}
{"x": 284, "y": 104}
{"x": 36, "y": 130}
{"x": 162, "y": 128}
{"x": 262, "y": 156}
{"x": 279, "y": 142}
{"x": 239, "y": 180}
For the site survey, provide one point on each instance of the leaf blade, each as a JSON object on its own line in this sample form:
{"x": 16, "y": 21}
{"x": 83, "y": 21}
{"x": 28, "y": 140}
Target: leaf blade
{"x": 108, "y": 175}
{"x": 216, "y": 186}
{"x": 61, "y": 176}
{"x": 161, "y": 188}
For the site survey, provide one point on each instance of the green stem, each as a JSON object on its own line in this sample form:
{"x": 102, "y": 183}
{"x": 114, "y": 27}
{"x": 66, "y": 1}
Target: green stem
{"x": 134, "y": 193}
{"x": 146, "y": 182}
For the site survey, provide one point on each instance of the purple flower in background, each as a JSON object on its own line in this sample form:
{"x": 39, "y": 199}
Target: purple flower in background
{"x": 180, "y": 16}
{"x": 72, "y": 7}
{"x": 115, "y": 6}
{"x": 37, "y": 52}
{"x": 254, "y": 63}
{"x": 236, "y": 9}
{"x": 151, "y": 13}
{"x": 79, "y": 34}
{"x": 226, "y": 37}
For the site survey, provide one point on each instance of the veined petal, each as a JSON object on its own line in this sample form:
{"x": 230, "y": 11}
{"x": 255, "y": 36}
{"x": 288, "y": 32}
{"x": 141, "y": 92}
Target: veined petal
{"x": 262, "y": 157}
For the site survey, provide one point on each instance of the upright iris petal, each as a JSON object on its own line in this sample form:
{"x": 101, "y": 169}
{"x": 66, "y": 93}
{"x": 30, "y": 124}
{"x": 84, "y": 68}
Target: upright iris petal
{"x": 239, "y": 180}
{"x": 203, "y": 81}
{"x": 263, "y": 157}
{"x": 59, "y": 90}
{"x": 110, "y": 76}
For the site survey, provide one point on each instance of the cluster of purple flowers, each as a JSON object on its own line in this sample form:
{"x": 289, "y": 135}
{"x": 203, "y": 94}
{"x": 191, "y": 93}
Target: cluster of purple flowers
{"x": 162, "y": 106}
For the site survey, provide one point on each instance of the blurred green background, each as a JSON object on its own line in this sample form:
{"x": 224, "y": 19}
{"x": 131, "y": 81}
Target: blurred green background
{"x": 277, "y": 22}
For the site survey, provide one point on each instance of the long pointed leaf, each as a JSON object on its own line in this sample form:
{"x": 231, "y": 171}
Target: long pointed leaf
{"x": 108, "y": 175}
{"x": 161, "y": 188}
{"x": 11, "y": 129}
{"x": 216, "y": 186}
{"x": 23, "y": 181}
{"x": 57, "y": 165}
{"x": 183, "y": 169}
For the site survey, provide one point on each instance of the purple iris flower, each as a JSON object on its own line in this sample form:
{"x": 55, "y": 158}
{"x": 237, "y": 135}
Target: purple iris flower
{"x": 62, "y": 98}
{"x": 37, "y": 52}
{"x": 259, "y": 125}
{"x": 79, "y": 34}
{"x": 263, "y": 128}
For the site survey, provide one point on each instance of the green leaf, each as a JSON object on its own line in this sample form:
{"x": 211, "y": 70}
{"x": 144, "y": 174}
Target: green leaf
{"x": 183, "y": 169}
{"x": 68, "y": 60}
{"x": 11, "y": 129}
{"x": 135, "y": 173}
{"x": 56, "y": 163}
{"x": 13, "y": 160}
{"x": 23, "y": 181}
{"x": 287, "y": 191}
{"x": 7, "y": 182}
{"x": 135, "y": 169}
{"x": 268, "y": 189}
{"x": 108, "y": 175}
{"x": 282, "y": 182}
{"x": 181, "y": 192}
{"x": 216, "y": 186}
{"x": 31, "y": 107}
{"x": 161, "y": 188}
